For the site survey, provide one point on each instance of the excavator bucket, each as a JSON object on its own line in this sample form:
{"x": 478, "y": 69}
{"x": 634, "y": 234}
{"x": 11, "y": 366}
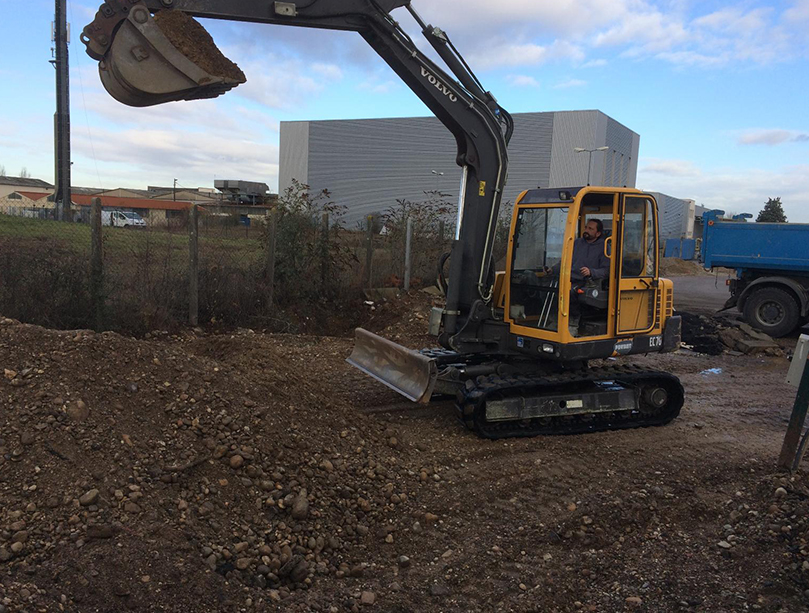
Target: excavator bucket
{"x": 408, "y": 372}
{"x": 167, "y": 57}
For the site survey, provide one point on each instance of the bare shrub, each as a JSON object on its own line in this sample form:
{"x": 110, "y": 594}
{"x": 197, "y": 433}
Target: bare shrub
{"x": 46, "y": 285}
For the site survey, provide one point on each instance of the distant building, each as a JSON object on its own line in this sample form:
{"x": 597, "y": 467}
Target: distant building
{"x": 244, "y": 192}
{"x": 25, "y": 184}
{"x": 369, "y": 164}
{"x": 154, "y": 212}
{"x": 35, "y": 205}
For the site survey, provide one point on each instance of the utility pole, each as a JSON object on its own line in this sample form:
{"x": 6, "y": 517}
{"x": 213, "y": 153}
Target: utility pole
{"x": 61, "y": 120}
{"x": 174, "y": 192}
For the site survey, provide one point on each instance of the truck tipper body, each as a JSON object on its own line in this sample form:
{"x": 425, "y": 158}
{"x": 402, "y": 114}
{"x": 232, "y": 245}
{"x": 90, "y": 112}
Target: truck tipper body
{"x": 771, "y": 260}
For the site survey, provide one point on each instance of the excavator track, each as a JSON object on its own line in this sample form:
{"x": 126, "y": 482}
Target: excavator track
{"x": 592, "y": 400}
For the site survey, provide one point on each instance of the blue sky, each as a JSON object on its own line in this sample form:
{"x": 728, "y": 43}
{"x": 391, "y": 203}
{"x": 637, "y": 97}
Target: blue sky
{"x": 718, "y": 91}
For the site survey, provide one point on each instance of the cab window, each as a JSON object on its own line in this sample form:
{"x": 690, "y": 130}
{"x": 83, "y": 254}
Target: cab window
{"x": 639, "y": 246}
{"x": 538, "y": 243}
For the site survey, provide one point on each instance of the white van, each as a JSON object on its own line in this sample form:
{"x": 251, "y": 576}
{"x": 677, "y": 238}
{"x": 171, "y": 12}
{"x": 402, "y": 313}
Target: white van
{"x": 121, "y": 219}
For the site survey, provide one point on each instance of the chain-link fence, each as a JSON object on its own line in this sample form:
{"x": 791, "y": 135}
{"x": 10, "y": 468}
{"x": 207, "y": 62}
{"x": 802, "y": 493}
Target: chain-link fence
{"x": 113, "y": 269}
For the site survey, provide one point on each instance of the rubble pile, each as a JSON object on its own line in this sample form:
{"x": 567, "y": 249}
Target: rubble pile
{"x": 714, "y": 336}
{"x": 163, "y": 471}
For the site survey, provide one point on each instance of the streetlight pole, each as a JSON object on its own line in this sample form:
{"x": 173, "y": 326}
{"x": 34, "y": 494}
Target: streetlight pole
{"x": 590, "y": 158}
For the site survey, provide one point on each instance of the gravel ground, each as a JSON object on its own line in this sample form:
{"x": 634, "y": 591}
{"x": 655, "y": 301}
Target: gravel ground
{"x": 248, "y": 471}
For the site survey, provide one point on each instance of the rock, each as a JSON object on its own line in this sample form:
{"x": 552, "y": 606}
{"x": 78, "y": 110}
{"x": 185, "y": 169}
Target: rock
{"x": 752, "y": 347}
{"x": 724, "y": 545}
{"x": 780, "y": 493}
{"x": 236, "y": 461}
{"x": 19, "y": 537}
{"x": 634, "y": 601}
{"x": 27, "y": 438}
{"x": 357, "y": 571}
{"x": 9, "y": 374}
{"x": 78, "y": 411}
{"x": 243, "y": 563}
{"x": 404, "y": 561}
{"x": 102, "y": 531}
{"x": 16, "y": 547}
{"x": 89, "y": 498}
{"x": 300, "y": 506}
{"x": 430, "y": 518}
{"x": 327, "y": 466}
{"x": 368, "y": 598}
{"x": 439, "y": 589}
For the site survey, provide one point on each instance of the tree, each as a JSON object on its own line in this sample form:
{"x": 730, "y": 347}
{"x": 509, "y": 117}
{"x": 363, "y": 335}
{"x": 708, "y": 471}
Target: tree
{"x": 772, "y": 212}
{"x": 24, "y": 174}
{"x": 2, "y": 171}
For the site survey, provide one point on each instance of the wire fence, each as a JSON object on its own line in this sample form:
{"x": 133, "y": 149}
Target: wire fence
{"x": 110, "y": 269}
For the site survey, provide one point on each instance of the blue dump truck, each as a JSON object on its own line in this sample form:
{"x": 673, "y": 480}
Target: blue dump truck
{"x": 771, "y": 260}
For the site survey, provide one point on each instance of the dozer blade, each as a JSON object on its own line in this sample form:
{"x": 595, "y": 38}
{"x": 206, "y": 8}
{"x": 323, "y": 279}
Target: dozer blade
{"x": 168, "y": 57}
{"x": 408, "y": 372}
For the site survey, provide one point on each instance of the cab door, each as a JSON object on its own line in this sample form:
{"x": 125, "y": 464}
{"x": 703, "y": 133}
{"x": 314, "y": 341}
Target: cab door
{"x": 637, "y": 270}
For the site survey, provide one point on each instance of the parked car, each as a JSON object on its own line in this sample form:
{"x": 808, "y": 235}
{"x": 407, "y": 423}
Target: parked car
{"x": 122, "y": 219}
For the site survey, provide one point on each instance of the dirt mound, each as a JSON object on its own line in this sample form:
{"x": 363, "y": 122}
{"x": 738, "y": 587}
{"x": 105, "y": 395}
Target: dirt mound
{"x": 129, "y": 468}
{"x": 676, "y": 267}
{"x": 257, "y": 472}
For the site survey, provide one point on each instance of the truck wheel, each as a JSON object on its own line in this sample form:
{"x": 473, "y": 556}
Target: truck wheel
{"x": 773, "y": 311}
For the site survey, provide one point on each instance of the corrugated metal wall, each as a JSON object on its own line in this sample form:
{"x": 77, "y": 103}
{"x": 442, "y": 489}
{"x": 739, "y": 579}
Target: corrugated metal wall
{"x": 294, "y": 155}
{"x": 368, "y": 164}
{"x": 676, "y": 217}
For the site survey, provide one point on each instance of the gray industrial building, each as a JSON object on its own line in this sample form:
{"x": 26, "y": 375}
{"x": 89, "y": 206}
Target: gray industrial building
{"x": 369, "y": 164}
{"x": 676, "y": 216}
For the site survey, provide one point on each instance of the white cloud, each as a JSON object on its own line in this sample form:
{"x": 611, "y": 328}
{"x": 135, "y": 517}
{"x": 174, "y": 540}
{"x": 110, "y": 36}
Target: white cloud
{"x": 772, "y": 137}
{"x": 671, "y": 168}
{"x": 798, "y": 13}
{"x": 508, "y": 54}
{"x": 594, "y": 63}
{"x": 733, "y": 189}
{"x": 330, "y": 71}
{"x": 380, "y": 87}
{"x": 519, "y": 80}
{"x": 570, "y": 83}
{"x": 652, "y": 31}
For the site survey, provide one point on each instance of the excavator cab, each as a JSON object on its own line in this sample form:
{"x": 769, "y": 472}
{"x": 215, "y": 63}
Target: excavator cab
{"x": 547, "y": 298}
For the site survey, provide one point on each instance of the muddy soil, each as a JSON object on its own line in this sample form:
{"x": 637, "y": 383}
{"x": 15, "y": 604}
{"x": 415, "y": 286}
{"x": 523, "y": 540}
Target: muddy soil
{"x": 196, "y": 44}
{"x": 245, "y": 471}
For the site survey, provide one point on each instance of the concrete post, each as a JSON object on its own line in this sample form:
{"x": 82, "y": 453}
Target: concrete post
{"x": 408, "y": 254}
{"x": 96, "y": 265}
{"x": 193, "y": 266}
{"x": 269, "y": 269}
{"x": 369, "y": 251}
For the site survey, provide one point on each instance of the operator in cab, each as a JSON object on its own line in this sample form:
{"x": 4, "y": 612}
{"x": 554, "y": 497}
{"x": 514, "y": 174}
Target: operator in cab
{"x": 589, "y": 259}
{"x": 590, "y": 264}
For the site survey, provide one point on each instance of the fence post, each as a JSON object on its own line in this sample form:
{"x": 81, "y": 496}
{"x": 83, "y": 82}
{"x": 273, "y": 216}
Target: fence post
{"x": 193, "y": 266}
{"x": 369, "y": 251}
{"x": 408, "y": 253}
{"x": 324, "y": 251}
{"x": 269, "y": 269}
{"x": 96, "y": 265}
{"x": 441, "y": 232}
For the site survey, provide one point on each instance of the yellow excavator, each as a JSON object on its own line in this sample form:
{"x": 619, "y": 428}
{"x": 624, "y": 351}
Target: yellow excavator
{"x": 517, "y": 347}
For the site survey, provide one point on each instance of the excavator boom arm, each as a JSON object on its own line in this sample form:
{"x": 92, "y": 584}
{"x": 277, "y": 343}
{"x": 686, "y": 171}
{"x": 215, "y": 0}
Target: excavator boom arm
{"x": 480, "y": 126}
